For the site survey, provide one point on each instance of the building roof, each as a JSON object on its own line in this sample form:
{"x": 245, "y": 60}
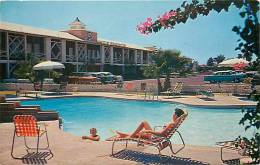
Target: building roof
{"x": 77, "y": 24}
{"x": 36, "y": 31}
{"x": 122, "y": 44}
{"x": 61, "y": 34}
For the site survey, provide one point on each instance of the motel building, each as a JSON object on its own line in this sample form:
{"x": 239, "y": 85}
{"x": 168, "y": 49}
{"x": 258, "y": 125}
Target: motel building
{"x": 83, "y": 50}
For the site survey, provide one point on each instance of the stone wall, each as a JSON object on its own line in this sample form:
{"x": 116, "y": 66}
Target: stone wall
{"x": 222, "y": 88}
{"x": 92, "y": 88}
{"x": 26, "y": 86}
{"x": 238, "y": 88}
{"x": 235, "y": 88}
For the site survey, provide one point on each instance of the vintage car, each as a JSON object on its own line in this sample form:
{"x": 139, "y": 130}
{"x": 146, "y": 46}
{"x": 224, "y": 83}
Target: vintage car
{"x": 107, "y": 77}
{"x": 82, "y": 78}
{"x": 225, "y": 76}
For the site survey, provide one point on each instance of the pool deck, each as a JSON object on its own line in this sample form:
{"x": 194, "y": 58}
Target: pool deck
{"x": 218, "y": 101}
{"x": 70, "y": 149}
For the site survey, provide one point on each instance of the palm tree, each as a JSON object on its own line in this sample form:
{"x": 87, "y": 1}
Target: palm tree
{"x": 154, "y": 71}
{"x": 165, "y": 62}
{"x": 173, "y": 62}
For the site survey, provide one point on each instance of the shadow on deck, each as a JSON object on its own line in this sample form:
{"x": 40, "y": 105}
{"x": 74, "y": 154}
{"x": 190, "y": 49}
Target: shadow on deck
{"x": 36, "y": 158}
{"x": 147, "y": 158}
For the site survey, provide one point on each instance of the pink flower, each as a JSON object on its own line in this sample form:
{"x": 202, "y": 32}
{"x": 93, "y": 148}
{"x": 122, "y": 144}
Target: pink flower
{"x": 143, "y": 27}
{"x": 239, "y": 66}
{"x": 148, "y": 23}
{"x": 165, "y": 17}
{"x": 172, "y": 13}
{"x": 149, "y": 19}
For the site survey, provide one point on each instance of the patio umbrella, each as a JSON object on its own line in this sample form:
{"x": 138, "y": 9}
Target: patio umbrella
{"x": 48, "y": 65}
{"x": 232, "y": 62}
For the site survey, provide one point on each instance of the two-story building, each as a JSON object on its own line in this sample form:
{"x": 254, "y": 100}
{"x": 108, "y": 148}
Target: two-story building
{"x": 81, "y": 48}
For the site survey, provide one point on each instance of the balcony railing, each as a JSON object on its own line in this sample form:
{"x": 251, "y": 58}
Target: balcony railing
{"x": 3, "y": 55}
{"x": 95, "y": 60}
{"x": 71, "y": 58}
{"x": 17, "y": 56}
{"x": 118, "y": 61}
{"x": 145, "y": 59}
{"x": 34, "y": 55}
{"x": 83, "y": 59}
{"x": 107, "y": 59}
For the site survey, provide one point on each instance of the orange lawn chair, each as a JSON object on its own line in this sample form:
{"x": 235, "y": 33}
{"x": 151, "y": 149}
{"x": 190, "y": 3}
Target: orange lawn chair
{"x": 27, "y": 126}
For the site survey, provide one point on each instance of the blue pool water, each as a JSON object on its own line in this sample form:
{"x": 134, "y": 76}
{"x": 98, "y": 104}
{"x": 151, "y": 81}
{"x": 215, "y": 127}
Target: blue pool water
{"x": 203, "y": 126}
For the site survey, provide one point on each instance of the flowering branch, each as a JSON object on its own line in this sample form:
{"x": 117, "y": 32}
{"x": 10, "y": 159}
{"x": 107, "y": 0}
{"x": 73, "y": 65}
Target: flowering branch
{"x": 190, "y": 10}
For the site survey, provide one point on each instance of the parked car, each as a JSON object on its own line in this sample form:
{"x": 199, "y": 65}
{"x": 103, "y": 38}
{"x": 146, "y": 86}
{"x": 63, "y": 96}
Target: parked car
{"x": 82, "y": 78}
{"x": 119, "y": 79}
{"x": 14, "y": 80}
{"x": 252, "y": 74}
{"x": 48, "y": 81}
{"x": 96, "y": 74}
{"x": 225, "y": 76}
{"x": 107, "y": 77}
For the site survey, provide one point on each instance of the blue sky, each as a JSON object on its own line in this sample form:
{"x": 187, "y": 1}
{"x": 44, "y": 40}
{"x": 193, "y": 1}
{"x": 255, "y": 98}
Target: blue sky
{"x": 116, "y": 20}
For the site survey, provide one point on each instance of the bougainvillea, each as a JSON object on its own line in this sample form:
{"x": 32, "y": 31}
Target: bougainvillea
{"x": 144, "y": 27}
{"x": 248, "y": 45}
{"x": 239, "y": 66}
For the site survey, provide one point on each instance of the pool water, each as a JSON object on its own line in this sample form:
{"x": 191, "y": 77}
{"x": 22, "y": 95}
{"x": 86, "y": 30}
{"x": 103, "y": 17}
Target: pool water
{"x": 203, "y": 126}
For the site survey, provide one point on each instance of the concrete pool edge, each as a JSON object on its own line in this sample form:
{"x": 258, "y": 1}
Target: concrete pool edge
{"x": 191, "y": 151}
{"x": 62, "y": 143}
{"x": 191, "y": 101}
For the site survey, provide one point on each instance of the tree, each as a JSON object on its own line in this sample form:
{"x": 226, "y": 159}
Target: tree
{"x": 173, "y": 62}
{"x": 69, "y": 69}
{"x": 210, "y": 62}
{"x": 23, "y": 71}
{"x": 24, "y": 68}
{"x": 251, "y": 120}
{"x": 219, "y": 58}
{"x": 153, "y": 71}
{"x": 165, "y": 62}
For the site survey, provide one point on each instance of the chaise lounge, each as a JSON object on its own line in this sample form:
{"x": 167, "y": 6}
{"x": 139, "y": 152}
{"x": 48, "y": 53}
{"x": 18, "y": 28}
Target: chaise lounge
{"x": 174, "y": 91}
{"x": 160, "y": 142}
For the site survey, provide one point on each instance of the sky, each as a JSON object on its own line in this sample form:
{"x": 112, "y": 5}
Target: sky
{"x": 199, "y": 39}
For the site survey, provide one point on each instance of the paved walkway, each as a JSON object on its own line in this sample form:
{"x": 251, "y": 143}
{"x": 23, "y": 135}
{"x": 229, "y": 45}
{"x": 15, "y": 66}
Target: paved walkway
{"x": 218, "y": 101}
{"x": 69, "y": 149}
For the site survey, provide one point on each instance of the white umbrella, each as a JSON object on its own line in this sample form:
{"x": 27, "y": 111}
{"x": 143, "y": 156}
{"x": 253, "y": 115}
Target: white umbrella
{"x": 232, "y": 62}
{"x": 48, "y": 65}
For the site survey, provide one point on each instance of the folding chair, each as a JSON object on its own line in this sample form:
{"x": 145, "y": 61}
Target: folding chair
{"x": 27, "y": 126}
{"x": 235, "y": 145}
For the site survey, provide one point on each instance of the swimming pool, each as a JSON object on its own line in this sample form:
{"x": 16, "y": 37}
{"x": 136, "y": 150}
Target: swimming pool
{"x": 203, "y": 126}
